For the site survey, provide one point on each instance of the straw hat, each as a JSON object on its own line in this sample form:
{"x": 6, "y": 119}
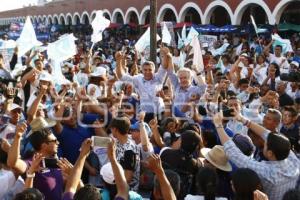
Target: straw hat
{"x": 216, "y": 156}
{"x": 40, "y": 123}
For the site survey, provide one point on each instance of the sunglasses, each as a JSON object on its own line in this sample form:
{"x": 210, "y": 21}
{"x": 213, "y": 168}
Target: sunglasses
{"x": 52, "y": 141}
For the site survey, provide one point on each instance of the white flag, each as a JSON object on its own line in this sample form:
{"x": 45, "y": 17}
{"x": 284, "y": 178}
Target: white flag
{"x": 183, "y": 33}
{"x": 27, "y": 39}
{"x": 221, "y": 50}
{"x": 193, "y": 33}
{"x": 284, "y": 43}
{"x": 61, "y": 50}
{"x": 166, "y": 35}
{"x": 197, "y": 59}
{"x": 144, "y": 41}
{"x": 99, "y": 24}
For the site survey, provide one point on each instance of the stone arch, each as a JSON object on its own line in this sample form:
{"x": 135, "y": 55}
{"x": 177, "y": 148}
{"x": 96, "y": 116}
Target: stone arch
{"x": 185, "y": 8}
{"x": 115, "y": 14}
{"x": 143, "y": 14}
{"x": 106, "y": 14}
{"x": 68, "y": 19}
{"x": 164, "y": 9}
{"x": 280, "y": 7}
{"x": 211, "y": 8}
{"x": 76, "y": 18}
{"x": 241, "y": 8}
{"x": 45, "y": 19}
{"x": 129, "y": 13}
{"x": 50, "y": 19}
{"x": 85, "y": 17}
{"x": 40, "y": 19}
{"x": 62, "y": 19}
{"x": 55, "y": 19}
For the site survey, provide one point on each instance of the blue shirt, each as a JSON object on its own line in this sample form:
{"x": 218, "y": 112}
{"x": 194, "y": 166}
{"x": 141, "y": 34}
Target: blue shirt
{"x": 208, "y": 124}
{"x": 70, "y": 140}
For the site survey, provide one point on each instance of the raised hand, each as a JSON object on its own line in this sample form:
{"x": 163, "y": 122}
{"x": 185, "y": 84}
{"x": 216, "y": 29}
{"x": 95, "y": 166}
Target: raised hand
{"x": 141, "y": 116}
{"x": 36, "y": 163}
{"x": 86, "y": 147}
{"x": 258, "y": 195}
{"x": 65, "y": 166}
{"x": 111, "y": 150}
{"x": 21, "y": 129}
{"x": 119, "y": 56}
{"x": 153, "y": 123}
{"x": 154, "y": 163}
{"x": 218, "y": 119}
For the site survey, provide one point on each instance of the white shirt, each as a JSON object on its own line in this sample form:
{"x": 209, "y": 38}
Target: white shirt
{"x": 8, "y": 133}
{"x": 7, "y": 180}
{"x": 281, "y": 61}
{"x": 260, "y": 73}
{"x": 82, "y": 79}
{"x": 147, "y": 90}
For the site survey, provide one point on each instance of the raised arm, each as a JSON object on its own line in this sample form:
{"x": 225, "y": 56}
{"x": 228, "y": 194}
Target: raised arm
{"x": 34, "y": 167}
{"x": 154, "y": 163}
{"x": 119, "y": 61}
{"x": 156, "y": 136}
{"x": 29, "y": 59}
{"x": 74, "y": 178}
{"x": 34, "y": 106}
{"x": 144, "y": 137}
{"x": 120, "y": 180}
{"x": 13, "y": 158}
{"x": 267, "y": 48}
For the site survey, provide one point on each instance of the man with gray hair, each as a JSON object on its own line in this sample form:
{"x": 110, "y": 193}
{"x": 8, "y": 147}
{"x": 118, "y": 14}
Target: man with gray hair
{"x": 185, "y": 91}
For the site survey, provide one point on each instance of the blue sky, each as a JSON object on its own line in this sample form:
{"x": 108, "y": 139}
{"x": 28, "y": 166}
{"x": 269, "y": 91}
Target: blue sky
{"x": 12, "y": 4}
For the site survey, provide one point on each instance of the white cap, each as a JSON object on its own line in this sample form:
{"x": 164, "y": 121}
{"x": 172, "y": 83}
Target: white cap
{"x": 295, "y": 63}
{"x": 65, "y": 82}
{"x": 107, "y": 174}
{"x": 99, "y": 71}
{"x": 14, "y": 106}
{"x": 45, "y": 76}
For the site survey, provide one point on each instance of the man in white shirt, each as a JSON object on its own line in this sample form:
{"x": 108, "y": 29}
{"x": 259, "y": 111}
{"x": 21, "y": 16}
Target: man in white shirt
{"x": 148, "y": 84}
{"x": 279, "y": 59}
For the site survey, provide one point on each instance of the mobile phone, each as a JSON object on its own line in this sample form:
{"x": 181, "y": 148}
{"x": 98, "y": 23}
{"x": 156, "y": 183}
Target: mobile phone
{"x": 50, "y": 163}
{"x": 100, "y": 141}
{"x": 228, "y": 112}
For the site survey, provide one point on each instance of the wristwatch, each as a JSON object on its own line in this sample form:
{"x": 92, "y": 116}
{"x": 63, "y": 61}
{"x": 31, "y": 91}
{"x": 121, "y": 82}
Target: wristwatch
{"x": 30, "y": 175}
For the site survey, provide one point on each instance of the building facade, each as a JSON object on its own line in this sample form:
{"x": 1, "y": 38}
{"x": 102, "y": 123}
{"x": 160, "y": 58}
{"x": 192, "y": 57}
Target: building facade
{"x": 219, "y": 12}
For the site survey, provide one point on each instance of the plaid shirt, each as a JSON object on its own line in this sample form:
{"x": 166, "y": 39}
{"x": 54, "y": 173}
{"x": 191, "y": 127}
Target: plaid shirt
{"x": 277, "y": 176}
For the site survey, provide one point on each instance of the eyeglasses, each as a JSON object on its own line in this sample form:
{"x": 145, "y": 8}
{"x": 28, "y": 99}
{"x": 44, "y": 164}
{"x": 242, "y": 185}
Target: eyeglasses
{"x": 52, "y": 141}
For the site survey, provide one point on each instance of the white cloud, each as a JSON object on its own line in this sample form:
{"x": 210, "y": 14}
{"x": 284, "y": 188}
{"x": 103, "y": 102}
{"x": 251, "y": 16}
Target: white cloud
{"x": 13, "y": 4}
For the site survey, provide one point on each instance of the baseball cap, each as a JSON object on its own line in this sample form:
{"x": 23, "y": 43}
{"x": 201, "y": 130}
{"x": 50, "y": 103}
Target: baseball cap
{"x": 295, "y": 63}
{"x": 136, "y": 126}
{"x": 15, "y": 106}
{"x": 107, "y": 174}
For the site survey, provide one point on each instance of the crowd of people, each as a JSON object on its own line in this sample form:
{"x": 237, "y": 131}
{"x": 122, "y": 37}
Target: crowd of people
{"x": 119, "y": 126}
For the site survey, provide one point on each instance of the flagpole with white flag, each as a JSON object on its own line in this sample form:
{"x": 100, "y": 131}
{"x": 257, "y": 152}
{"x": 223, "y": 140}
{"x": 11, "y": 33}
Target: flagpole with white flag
{"x": 197, "y": 59}
{"x": 99, "y": 24}
{"x": 27, "y": 39}
{"x": 256, "y": 29}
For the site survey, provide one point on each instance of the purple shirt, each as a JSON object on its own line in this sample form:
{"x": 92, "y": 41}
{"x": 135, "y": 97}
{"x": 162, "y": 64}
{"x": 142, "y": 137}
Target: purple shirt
{"x": 68, "y": 196}
{"x": 50, "y": 183}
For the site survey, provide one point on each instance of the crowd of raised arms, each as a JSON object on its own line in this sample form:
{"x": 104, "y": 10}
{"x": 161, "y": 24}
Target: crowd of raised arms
{"x": 118, "y": 126}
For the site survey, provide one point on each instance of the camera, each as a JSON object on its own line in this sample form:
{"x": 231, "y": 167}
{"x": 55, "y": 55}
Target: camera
{"x": 290, "y": 77}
